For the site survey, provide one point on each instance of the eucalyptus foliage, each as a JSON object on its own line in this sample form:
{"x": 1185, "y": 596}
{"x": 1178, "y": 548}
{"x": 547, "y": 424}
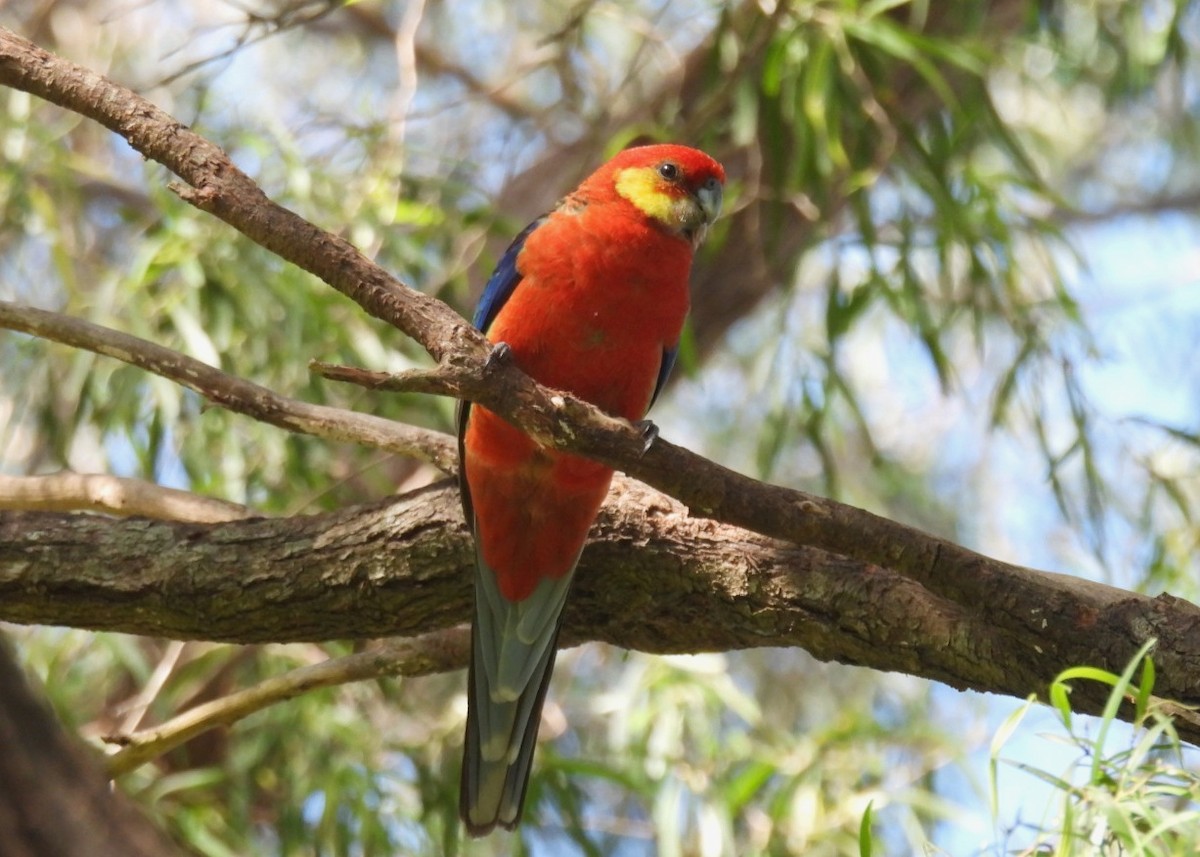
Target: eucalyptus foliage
{"x": 926, "y": 174}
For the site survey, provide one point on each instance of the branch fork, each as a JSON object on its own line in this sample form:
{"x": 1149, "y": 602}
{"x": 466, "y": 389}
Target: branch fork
{"x": 986, "y": 609}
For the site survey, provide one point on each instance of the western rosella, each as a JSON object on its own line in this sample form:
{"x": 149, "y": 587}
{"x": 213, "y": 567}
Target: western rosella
{"x": 590, "y": 299}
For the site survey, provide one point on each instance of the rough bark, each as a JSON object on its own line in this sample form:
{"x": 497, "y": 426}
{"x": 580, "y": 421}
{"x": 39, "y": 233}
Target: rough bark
{"x": 865, "y": 589}
{"x": 656, "y": 577}
{"x": 54, "y": 799}
{"x": 653, "y": 579}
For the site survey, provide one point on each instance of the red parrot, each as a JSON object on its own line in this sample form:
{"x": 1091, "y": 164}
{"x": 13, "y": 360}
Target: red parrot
{"x": 589, "y": 299}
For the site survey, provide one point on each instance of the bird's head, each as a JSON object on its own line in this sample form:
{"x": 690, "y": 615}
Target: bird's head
{"x": 678, "y": 187}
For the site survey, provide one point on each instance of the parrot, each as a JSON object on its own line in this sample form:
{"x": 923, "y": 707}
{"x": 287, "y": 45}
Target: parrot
{"x": 589, "y": 299}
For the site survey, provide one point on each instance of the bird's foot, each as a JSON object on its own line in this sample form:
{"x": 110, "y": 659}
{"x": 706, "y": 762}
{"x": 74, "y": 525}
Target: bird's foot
{"x": 649, "y": 433}
{"x": 501, "y": 354}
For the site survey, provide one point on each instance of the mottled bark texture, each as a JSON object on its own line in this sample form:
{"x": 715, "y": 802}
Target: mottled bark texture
{"x": 838, "y": 581}
{"x": 654, "y": 578}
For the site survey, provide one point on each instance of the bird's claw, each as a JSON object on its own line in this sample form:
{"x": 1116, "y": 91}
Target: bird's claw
{"x": 649, "y": 433}
{"x": 500, "y": 354}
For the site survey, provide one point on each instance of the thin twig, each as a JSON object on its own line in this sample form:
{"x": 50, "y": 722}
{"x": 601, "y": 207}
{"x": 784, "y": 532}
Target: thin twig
{"x": 140, "y": 704}
{"x": 99, "y": 492}
{"x": 406, "y": 62}
{"x": 434, "y": 652}
{"x": 438, "y": 381}
{"x": 977, "y": 584}
{"x": 234, "y": 393}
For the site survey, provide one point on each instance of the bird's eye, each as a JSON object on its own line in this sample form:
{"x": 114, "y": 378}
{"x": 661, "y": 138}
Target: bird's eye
{"x": 668, "y": 171}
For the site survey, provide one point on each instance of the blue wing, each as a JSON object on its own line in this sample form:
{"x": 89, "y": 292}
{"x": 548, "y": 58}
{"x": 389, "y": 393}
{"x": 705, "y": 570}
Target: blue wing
{"x": 664, "y": 371}
{"x": 499, "y": 289}
{"x": 503, "y": 281}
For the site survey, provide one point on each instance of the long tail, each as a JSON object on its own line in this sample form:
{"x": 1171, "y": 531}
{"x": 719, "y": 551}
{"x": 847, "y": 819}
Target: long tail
{"x": 513, "y": 645}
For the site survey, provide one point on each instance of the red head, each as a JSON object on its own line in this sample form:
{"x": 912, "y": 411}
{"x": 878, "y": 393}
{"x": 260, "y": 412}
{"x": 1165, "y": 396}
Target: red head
{"x": 678, "y": 187}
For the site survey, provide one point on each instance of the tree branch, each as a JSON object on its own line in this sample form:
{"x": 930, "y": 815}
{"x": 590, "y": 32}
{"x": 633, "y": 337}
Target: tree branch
{"x": 653, "y": 578}
{"x": 101, "y": 492}
{"x": 231, "y": 392}
{"x": 437, "y": 651}
{"x": 217, "y": 186}
{"x": 877, "y": 593}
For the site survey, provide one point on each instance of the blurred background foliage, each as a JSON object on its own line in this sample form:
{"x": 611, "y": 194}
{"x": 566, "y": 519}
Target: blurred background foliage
{"x": 957, "y": 285}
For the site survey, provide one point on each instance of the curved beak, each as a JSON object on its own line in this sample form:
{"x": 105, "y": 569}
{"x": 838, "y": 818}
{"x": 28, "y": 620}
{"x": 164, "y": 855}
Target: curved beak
{"x": 708, "y": 198}
{"x": 709, "y": 195}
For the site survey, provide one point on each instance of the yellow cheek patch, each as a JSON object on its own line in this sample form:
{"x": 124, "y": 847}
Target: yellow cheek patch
{"x": 643, "y": 187}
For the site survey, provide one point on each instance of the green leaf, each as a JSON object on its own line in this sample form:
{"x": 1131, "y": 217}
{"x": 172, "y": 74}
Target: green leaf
{"x": 1005, "y": 731}
{"x": 1119, "y": 693}
{"x": 905, "y": 45}
{"x": 1060, "y": 700}
{"x": 1145, "y": 688}
{"x": 865, "y": 840}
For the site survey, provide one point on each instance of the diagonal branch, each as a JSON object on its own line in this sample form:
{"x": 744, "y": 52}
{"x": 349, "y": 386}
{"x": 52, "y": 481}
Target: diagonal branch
{"x": 217, "y": 186}
{"x": 653, "y": 578}
{"x": 899, "y": 599}
{"x": 231, "y": 392}
{"x": 552, "y": 419}
{"x": 438, "y": 651}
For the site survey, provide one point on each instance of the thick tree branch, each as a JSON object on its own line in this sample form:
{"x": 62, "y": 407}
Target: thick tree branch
{"x": 653, "y": 578}
{"x": 899, "y": 599}
{"x": 952, "y": 571}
